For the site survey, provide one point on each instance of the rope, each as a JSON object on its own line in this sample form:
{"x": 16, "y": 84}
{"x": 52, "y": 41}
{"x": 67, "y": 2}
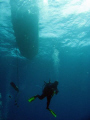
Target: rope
{"x": 17, "y": 68}
{"x": 17, "y": 94}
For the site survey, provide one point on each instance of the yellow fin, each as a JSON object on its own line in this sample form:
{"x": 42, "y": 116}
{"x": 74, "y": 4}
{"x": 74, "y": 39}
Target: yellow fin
{"x": 31, "y": 99}
{"x": 52, "y": 112}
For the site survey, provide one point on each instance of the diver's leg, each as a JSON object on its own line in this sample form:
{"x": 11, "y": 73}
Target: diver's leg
{"x": 48, "y": 101}
{"x": 41, "y": 96}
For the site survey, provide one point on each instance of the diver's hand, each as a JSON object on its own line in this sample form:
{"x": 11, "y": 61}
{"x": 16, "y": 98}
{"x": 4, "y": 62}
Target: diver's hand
{"x": 57, "y": 92}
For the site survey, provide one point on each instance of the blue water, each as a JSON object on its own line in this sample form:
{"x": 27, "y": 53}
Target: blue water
{"x": 64, "y": 55}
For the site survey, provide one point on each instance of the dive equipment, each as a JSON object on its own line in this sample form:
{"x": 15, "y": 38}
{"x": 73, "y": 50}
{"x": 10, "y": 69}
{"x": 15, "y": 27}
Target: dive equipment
{"x": 14, "y": 86}
{"x": 32, "y": 99}
{"x": 52, "y": 112}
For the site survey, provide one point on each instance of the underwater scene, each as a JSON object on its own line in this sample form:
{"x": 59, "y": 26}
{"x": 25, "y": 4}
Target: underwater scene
{"x": 44, "y": 59}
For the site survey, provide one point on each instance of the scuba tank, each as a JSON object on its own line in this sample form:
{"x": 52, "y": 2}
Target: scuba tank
{"x": 46, "y": 86}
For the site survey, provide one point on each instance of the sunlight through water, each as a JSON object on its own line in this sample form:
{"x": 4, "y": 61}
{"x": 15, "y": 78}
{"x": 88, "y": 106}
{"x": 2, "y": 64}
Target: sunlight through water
{"x": 65, "y": 20}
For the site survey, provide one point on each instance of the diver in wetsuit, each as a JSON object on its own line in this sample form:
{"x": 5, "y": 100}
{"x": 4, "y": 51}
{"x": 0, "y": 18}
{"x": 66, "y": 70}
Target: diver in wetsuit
{"x": 49, "y": 90}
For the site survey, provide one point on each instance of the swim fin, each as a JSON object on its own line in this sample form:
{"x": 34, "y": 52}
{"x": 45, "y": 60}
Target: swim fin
{"x": 32, "y": 99}
{"x": 14, "y": 86}
{"x": 52, "y": 112}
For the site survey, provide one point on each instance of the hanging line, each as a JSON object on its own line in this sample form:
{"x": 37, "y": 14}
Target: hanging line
{"x": 17, "y": 68}
{"x": 17, "y": 74}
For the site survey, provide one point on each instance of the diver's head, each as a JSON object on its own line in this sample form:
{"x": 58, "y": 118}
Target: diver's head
{"x": 56, "y": 83}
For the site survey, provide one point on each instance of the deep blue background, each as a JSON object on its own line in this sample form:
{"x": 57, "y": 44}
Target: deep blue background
{"x": 72, "y": 101}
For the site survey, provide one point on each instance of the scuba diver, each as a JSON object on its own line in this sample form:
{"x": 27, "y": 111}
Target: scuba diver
{"x": 49, "y": 90}
{"x": 17, "y": 90}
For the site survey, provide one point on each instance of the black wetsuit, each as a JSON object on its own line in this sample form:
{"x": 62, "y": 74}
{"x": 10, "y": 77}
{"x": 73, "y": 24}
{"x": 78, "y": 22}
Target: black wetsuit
{"x": 49, "y": 90}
